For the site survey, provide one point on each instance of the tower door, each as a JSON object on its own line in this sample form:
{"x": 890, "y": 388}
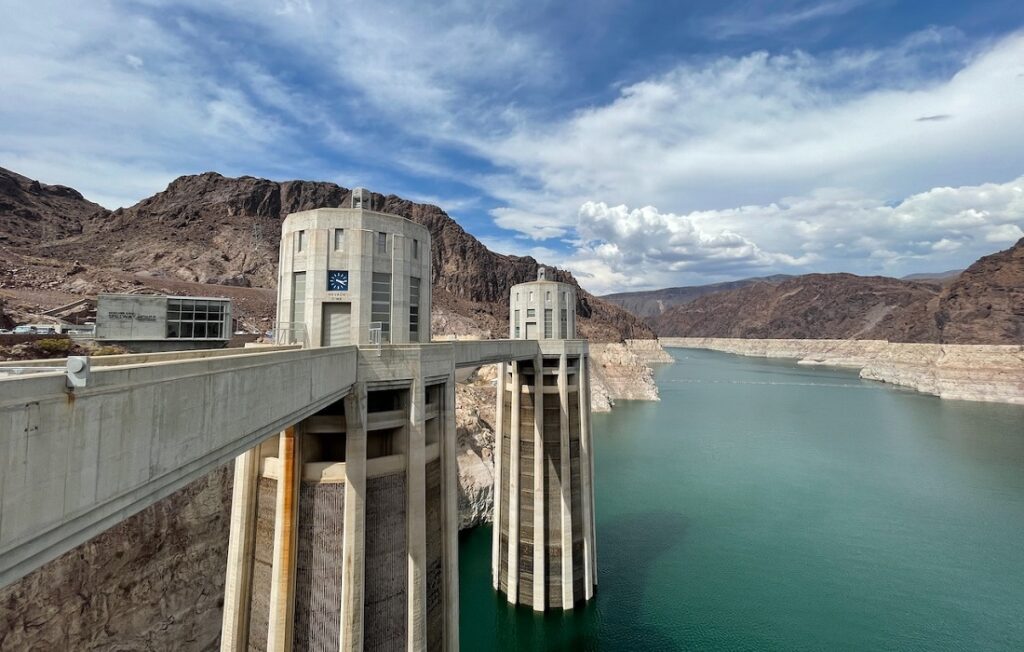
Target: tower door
{"x": 336, "y": 329}
{"x": 531, "y": 330}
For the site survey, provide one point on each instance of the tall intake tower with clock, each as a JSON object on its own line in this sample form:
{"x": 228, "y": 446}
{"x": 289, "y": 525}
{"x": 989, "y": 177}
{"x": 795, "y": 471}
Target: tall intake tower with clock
{"x": 349, "y": 275}
{"x": 344, "y": 527}
{"x": 543, "y": 551}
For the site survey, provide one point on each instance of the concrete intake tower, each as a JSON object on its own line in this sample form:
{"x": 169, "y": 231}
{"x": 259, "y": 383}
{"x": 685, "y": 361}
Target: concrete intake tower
{"x": 543, "y": 545}
{"x": 344, "y": 527}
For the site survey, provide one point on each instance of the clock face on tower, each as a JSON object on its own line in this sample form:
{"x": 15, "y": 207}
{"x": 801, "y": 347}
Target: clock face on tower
{"x": 337, "y": 280}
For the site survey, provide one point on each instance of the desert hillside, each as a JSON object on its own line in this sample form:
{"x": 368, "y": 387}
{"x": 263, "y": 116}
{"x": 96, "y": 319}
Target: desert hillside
{"x": 982, "y": 305}
{"x": 211, "y": 235}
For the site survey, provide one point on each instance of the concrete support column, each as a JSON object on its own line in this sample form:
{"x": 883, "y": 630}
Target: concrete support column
{"x": 539, "y": 532}
{"x": 513, "y": 490}
{"x": 450, "y": 506}
{"x": 238, "y": 583}
{"x": 416, "y": 516}
{"x": 354, "y": 544}
{"x": 566, "y": 484}
{"x": 282, "y": 577}
{"x": 499, "y": 440}
{"x": 587, "y": 481}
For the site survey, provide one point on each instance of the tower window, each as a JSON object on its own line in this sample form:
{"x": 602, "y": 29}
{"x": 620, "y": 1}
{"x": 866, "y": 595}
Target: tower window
{"x": 339, "y": 239}
{"x": 547, "y": 322}
{"x": 382, "y": 242}
{"x": 300, "y": 241}
{"x": 564, "y": 324}
{"x": 380, "y": 305}
{"x": 414, "y": 309}
{"x": 531, "y": 313}
{"x": 516, "y": 320}
{"x": 415, "y": 249}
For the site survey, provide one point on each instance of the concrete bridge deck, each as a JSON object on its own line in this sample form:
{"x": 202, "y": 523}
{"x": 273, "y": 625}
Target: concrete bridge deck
{"x": 75, "y": 462}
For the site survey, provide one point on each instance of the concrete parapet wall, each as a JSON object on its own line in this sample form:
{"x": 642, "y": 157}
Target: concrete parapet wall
{"x": 75, "y": 463}
{"x": 993, "y": 373}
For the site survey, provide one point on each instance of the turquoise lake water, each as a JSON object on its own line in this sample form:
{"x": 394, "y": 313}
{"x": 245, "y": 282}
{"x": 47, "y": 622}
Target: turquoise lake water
{"x": 766, "y": 506}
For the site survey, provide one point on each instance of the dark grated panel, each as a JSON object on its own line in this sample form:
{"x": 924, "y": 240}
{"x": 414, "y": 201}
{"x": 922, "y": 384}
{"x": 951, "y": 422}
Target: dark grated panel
{"x": 318, "y": 566}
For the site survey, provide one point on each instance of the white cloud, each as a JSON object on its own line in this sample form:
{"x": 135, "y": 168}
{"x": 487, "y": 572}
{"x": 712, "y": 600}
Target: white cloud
{"x": 827, "y": 231}
{"x": 750, "y": 130}
{"x": 773, "y": 18}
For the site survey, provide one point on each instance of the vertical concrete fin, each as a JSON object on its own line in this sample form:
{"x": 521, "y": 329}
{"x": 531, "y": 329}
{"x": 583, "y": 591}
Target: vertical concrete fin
{"x": 540, "y": 582}
{"x": 238, "y": 582}
{"x": 449, "y": 479}
{"x": 499, "y": 440}
{"x": 513, "y": 489}
{"x": 353, "y": 551}
{"x": 565, "y": 485}
{"x": 586, "y": 480}
{"x": 416, "y": 510}
{"x": 282, "y": 587}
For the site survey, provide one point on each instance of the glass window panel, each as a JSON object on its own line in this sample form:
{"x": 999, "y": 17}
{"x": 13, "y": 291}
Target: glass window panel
{"x": 199, "y": 329}
{"x": 186, "y": 329}
{"x": 173, "y": 329}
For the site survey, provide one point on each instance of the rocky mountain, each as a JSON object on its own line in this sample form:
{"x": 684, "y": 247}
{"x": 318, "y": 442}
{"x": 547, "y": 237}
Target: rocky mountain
{"x": 817, "y": 306}
{"x": 983, "y": 305}
{"x": 33, "y": 213}
{"x": 652, "y": 303}
{"x": 212, "y": 230}
{"x": 947, "y": 275}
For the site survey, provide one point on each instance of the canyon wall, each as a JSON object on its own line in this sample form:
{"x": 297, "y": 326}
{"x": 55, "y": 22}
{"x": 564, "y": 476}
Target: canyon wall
{"x": 981, "y": 372}
{"x": 154, "y": 581}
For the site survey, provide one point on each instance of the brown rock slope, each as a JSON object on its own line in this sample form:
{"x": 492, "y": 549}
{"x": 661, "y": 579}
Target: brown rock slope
{"x": 983, "y": 305}
{"x": 818, "y": 306}
{"x": 33, "y": 213}
{"x": 211, "y": 229}
{"x": 155, "y": 581}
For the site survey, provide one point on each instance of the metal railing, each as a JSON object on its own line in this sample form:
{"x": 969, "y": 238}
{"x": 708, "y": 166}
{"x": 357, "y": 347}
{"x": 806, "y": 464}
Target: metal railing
{"x": 376, "y": 335}
{"x": 290, "y": 332}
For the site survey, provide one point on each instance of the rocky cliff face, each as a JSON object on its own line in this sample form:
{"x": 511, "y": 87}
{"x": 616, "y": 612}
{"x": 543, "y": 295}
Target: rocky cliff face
{"x": 982, "y": 305}
{"x": 618, "y": 373}
{"x": 651, "y": 303}
{"x": 32, "y": 213}
{"x": 985, "y": 303}
{"x": 209, "y": 229}
{"x": 991, "y": 373}
{"x": 153, "y": 582}
{"x": 821, "y": 306}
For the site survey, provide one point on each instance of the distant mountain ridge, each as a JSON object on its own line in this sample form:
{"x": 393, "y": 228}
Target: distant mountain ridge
{"x": 214, "y": 233}
{"x": 651, "y": 303}
{"x": 933, "y": 276}
{"x": 984, "y": 304}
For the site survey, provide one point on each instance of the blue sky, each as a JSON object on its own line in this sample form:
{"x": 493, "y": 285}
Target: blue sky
{"x": 638, "y": 144}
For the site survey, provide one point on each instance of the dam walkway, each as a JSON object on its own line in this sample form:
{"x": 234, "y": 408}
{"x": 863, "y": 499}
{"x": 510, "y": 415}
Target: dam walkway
{"x": 74, "y": 461}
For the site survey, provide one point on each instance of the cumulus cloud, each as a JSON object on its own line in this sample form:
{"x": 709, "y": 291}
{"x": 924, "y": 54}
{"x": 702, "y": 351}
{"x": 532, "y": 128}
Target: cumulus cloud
{"x": 750, "y": 130}
{"x": 825, "y": 231}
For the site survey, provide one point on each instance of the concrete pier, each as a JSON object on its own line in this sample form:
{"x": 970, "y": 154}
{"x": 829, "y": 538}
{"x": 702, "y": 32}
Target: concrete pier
{"x": 364, "y": 522}
{"x": 543, "y": 553}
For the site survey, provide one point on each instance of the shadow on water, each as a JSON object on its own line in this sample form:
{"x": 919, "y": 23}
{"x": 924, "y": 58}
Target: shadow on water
{"x": 616, "y": 619}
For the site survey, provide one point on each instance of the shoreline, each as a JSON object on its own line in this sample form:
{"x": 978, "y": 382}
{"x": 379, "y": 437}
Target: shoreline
{"x": 992, "y": 373}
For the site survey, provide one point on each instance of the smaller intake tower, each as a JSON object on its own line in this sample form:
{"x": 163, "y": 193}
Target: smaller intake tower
{"x": 543, "y": 551}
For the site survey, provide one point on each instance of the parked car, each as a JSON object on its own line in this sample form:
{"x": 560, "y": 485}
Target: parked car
{"x": 6, "y": 331}
{"x": 24, "y": 330}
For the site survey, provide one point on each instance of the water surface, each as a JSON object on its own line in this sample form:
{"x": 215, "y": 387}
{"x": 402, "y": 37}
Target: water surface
{"x": 766, "y": 506}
